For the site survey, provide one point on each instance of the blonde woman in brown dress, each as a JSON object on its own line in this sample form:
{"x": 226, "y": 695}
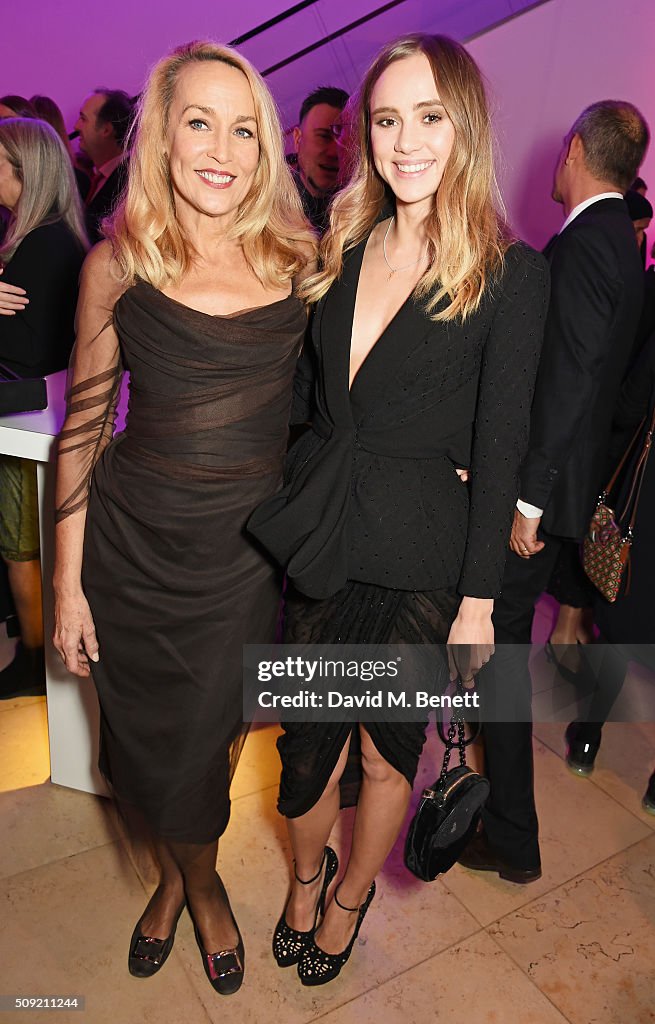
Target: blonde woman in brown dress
{"x": 157, "y": 585}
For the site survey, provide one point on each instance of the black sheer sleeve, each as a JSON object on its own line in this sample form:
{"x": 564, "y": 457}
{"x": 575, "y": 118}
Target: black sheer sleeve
{"x": 93, "y": 386}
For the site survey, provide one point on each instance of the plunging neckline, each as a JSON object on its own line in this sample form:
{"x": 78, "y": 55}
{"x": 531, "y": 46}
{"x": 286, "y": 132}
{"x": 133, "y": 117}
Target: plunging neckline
{"x": 384, "y": 331}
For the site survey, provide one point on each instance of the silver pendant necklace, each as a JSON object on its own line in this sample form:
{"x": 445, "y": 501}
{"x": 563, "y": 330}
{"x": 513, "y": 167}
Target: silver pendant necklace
{"x": 395, "y": 270}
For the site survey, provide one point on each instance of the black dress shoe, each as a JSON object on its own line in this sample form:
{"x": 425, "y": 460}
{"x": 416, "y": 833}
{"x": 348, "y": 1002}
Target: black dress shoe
{"x": 148, "y": 954}
{"x": 478, "y": 856}
{"x": 581, "y": 749}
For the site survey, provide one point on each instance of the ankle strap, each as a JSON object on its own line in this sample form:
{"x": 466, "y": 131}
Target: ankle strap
{"x": 317, "y": 875}
{"x": 351, "y": 910}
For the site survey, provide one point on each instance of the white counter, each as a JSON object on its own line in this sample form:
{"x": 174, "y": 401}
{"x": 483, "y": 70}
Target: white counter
{"x": 73, "y": 713}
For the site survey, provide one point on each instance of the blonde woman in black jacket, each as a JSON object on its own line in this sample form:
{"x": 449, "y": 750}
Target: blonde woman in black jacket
{"x": 425, "y": 343}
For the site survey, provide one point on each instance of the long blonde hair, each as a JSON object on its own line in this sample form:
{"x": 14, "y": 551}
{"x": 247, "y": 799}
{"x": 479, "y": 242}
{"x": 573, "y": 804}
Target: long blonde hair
{"x": 49, "y": 190}
{"x": 467, "y": 237}
{"x": 148, "y": 239}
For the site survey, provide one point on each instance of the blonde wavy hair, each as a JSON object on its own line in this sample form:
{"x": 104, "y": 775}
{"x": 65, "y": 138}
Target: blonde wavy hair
{"x": 147, "y": 238}
{"x": 466, "y": 235}
{"x": 49, "y": 190}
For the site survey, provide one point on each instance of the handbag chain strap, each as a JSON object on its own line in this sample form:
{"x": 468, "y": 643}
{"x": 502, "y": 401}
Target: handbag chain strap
{"x": 456, "y": 725}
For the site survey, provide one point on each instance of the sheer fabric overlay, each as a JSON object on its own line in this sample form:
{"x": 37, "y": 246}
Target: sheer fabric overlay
{"x": 90, "y": 418}
{"x": 175, "y": 585}
{"x": 360, "y": 613}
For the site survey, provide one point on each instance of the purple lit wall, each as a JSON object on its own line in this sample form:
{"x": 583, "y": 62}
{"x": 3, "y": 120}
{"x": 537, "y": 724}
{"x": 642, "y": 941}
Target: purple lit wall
{"x": 544, "y": 68}
{"x": 543, "y": 65}
{"x": 73, "y": 46}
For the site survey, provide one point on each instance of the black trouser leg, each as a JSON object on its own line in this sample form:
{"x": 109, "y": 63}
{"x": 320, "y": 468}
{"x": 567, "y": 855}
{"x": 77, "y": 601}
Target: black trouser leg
{"x": 524, "y": 582}
{"x": 608, "y": 664}
{"x": 510, "y": 817}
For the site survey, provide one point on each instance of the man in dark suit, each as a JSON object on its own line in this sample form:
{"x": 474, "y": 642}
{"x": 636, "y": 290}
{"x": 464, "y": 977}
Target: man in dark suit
{"x": 596, "y": 299}
{"x": 104, "y": 120}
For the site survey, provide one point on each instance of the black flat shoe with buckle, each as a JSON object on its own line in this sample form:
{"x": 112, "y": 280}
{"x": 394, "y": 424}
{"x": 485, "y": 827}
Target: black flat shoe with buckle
{"x": 288, "y": 942}
{"x": 226, "y": 967}
{"x": 148, "y": 954}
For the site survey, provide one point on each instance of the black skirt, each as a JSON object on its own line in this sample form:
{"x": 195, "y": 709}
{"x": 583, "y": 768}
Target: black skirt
{"x": 359, "y": 613}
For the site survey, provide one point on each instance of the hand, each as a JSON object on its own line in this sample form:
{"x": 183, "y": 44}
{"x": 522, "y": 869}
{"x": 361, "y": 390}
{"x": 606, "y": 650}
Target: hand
{"x": 75, "y": 634}
{"x": 523, "y": 539}
{"x": 12, "y": 299}
{"x": 470, "y": 642}
{"x": 463, "y": 474}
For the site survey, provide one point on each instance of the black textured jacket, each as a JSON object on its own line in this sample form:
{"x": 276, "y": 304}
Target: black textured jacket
{"x": 371, "y": 490}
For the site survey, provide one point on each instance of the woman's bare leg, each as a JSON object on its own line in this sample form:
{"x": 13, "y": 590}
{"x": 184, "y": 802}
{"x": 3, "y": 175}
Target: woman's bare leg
{"x": 586, "y": 633}
{"x": 25, "y": 584}
{"x": 573, "y": 624}
{"x": 383, "y": 801}
{"x": 309, "y": 834}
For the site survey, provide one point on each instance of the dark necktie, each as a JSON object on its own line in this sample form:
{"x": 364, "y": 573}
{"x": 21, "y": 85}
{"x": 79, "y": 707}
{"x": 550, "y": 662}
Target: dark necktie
{"x": 96, "y": 182}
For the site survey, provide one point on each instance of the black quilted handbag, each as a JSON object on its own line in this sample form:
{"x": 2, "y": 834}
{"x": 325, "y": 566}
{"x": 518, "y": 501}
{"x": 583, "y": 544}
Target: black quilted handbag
{"x": 448, "y": 813}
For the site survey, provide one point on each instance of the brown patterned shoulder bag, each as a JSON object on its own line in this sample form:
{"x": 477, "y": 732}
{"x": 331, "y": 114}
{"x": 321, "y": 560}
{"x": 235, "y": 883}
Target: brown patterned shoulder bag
{"x": 606, "y": 548}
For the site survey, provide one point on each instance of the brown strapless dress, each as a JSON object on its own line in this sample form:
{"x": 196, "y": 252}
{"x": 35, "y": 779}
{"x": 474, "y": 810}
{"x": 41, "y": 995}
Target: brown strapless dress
{"x": 175, "y": 584}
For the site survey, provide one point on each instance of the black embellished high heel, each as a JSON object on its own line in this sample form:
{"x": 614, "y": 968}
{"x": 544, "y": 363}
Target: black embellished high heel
{"x": 148, "y": 954}
{"x": 289, "y": 943}
{"x": 224, "y": 969}
{"x": 318, "y": 967}
{"x": 554, "y": 656}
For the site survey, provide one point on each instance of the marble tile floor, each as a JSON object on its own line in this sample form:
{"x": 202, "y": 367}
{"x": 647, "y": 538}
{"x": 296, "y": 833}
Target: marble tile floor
{"x": 576, "y": 946}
